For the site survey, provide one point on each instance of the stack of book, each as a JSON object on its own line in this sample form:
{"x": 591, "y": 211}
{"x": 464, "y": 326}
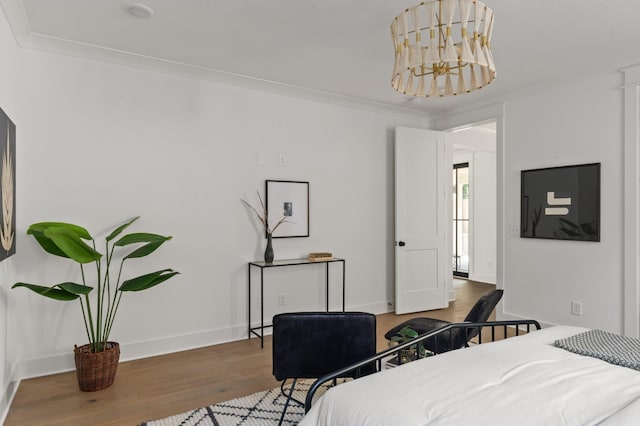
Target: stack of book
{"x": 320, "y": 256}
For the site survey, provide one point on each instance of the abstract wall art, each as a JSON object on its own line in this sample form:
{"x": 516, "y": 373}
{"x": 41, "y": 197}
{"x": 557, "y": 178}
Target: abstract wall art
{"x": 7, "y": 186}
{"x": 561, "y": 203}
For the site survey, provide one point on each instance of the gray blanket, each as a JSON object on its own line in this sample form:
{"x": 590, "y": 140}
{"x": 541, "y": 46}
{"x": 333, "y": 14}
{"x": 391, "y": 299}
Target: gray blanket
{"x": 609, "y": 347}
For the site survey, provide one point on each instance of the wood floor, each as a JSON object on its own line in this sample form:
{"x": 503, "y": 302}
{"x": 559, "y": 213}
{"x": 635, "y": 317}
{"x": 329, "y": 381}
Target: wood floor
{"x": 162, "y": 386}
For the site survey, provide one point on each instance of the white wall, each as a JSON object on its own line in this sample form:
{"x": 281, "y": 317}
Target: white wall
{"x": 100, "y": 143}
{"x": 576, "y": 124}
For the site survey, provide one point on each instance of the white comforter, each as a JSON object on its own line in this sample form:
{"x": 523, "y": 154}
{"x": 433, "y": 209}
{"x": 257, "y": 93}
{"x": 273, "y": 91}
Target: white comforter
{"x": 519, "y": 381}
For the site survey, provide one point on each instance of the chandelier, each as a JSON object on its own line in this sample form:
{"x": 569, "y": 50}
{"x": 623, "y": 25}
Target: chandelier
{"x": 443, "y": 48}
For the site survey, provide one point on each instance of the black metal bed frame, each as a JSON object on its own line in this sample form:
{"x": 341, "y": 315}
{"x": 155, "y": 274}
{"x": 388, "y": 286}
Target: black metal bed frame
{"x": 449, "y": 328}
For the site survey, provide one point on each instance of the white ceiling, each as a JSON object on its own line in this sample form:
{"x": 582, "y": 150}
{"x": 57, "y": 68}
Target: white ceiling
{"x": 329, "y": 49}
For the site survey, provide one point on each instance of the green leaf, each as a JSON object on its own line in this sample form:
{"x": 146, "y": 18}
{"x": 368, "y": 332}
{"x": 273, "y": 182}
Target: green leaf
{"x": 38, "y": 231}
{"x": 74, "y": 288}
{"x": 65, "y": 292}
{"x": 408, "y": 332}
{"x": 121, "y": 228}
{"x": 422, "y": 352}
{"x": 144, "y": 282}
{"x": 144, "y": 250}
{"x": 140, "y": 237}
{"x": 47, "y": 244}
{"x": 72, "y": 245}
{"x": 78, "y": 230}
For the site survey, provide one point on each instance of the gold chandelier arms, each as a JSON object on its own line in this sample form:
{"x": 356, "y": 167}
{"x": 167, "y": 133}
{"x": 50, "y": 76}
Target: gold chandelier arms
{"x": 443, "y": 48}
{"x": 423, "y": 29}
{"x": 438, "y": 69}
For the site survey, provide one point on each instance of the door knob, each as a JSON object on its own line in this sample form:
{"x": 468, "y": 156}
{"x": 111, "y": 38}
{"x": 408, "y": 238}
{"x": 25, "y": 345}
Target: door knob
{"x": 401, "y": 243}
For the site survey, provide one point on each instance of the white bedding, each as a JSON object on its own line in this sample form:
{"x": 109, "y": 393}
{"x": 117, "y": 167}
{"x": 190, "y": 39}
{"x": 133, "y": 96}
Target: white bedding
{"x": 518, "y": 381}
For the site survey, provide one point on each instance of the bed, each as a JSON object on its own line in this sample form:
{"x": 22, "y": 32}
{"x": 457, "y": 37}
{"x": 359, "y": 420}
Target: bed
{"x": 523, "y": 380}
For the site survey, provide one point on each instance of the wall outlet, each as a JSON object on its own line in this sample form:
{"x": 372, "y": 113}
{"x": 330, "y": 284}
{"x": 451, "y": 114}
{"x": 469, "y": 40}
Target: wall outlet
{"x": 576, "y": 308}
{"x": 282, "y": 160}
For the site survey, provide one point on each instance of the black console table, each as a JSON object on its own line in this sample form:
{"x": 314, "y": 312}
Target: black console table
{"x": 277, "y": 264}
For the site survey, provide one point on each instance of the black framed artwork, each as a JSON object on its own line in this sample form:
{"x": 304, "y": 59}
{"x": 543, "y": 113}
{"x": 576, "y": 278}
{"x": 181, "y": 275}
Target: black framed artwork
{"x": 7, "y": 186}
{"x": 561, "y": 203}
{"x": 288, "y": 200}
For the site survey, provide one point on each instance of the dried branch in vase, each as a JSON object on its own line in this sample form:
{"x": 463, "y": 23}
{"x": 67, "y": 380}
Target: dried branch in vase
{"x": 264, "y": 217}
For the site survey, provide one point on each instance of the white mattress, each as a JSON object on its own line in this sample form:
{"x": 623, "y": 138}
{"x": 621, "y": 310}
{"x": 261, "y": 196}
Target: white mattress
{"x": 518, "y": 381}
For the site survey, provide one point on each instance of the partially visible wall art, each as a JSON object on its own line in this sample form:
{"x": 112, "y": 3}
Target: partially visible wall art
{"x": 7, "y": 186}
{"x": 289, "y": 200}
{"x": 561, "y": 203}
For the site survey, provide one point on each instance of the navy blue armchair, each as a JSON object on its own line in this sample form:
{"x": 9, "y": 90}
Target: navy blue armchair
{"x": 308, "y": 345}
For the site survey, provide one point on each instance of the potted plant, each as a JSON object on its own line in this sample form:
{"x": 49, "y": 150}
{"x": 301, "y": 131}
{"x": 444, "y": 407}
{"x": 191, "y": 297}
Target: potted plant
{"x": 97, "y": 361}
{"x": 412, "y": 352}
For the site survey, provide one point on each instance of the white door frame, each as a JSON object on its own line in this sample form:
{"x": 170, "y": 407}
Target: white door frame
{"x": 631, "y": 304}
{"x": 482, "y": 115}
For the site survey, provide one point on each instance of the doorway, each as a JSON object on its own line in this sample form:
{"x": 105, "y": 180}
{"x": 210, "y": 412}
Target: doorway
{"x": 460, "y": 210}
{"x": 474, "y": 202}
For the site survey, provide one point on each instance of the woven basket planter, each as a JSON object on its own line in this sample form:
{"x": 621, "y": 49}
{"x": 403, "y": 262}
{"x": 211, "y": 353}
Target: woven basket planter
{"x": 96, "y": 370}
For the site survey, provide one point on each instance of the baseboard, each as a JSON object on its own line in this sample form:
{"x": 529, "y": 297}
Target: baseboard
{"x": 60, "y": 363}
{"x": 483, "y": 278}
{"x": 374, "y": 308}
{"x": 6, "y": 398}
{"x": 129, "y": 351}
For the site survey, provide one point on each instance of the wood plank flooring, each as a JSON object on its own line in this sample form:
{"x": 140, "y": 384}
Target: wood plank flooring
{"x": 162, "y": 386}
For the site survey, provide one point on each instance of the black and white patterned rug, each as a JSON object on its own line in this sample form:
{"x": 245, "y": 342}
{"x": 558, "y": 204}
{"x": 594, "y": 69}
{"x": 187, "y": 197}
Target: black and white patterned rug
{"x": 261, "y": 408}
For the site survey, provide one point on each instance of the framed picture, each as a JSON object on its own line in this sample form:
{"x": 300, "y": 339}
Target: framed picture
{"x": 288, "y": 200}
{"x": 7, "y": 186}
{"x": 561, "y": 203}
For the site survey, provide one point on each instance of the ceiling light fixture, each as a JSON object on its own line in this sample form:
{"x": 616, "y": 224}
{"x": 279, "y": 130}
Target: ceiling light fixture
{"x": 139, "y": 10}
{"x": 432, "y": 59}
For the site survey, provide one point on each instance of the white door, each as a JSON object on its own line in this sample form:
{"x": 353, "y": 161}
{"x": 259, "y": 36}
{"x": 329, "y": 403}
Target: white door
{"x": 423, "y": 220}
